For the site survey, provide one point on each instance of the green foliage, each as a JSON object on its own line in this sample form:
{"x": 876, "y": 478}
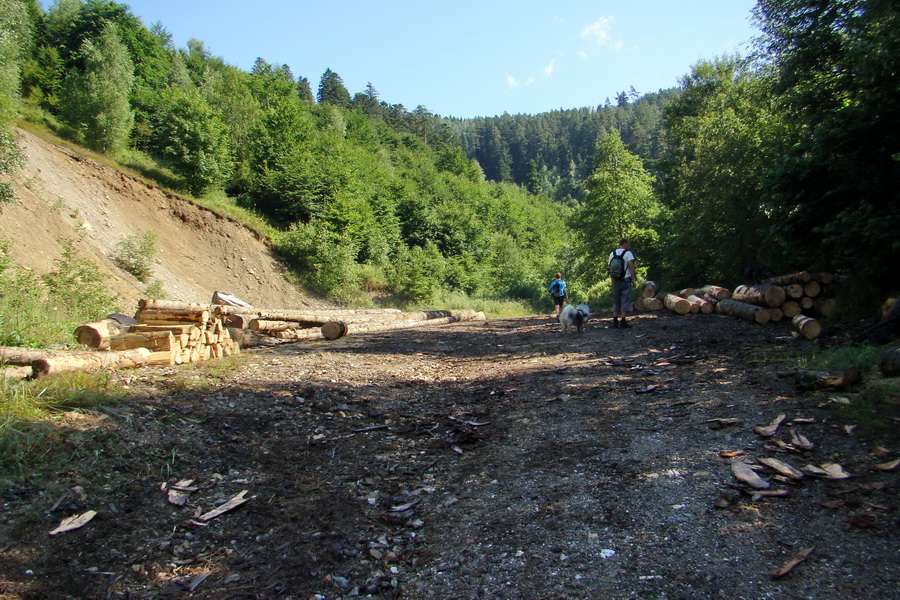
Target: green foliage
{"x": 332, "y": 90}
{"x": 11, "y": 159}
{"x": 15, "y": 39}
{"x": 95, "y": 101}
{"x": 619, "y": 203}
{"x": 77, "y": 288}
{"x": 416, "y": 273}
{"x": 865, "y": 358}
{"x": 322, "y": 259}
{"x": 192, "y": 138}
{"x": 136, "y": 254}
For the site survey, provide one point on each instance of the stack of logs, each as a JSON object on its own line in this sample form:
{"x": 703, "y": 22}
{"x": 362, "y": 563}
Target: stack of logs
{"x": 798, "y": 296}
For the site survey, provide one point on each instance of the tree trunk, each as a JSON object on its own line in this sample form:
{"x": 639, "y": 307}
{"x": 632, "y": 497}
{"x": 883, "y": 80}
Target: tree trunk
{"x": 148, "y": 304}
{"x": 794, "y": 290}
{"x": 719, "y": 293}
{"x": 338, "y": 329}
{"x": 91, "y": 361}
{"x": 703, "y": 305}
{"x": 648, "y": 304}
{"x": 801, "y": 277}
{"x": 791, "y": 309}
{"x": 685, "y": 292}
{"x": 15, "y": 373}
{"x": 805, "y": 379}
{"x": 743, "y": 310}
{"x": 648, "y": 290}
{"x": 812, "y": 289}
{"x": 97, "y": 333}
{"x": 677, "y": 304}
{"x": 169, "y": 315}
{"x": 152, "y": 340}
{"x": 763, "y": 294}
{"x": 807, "y": 327}
{"x": 23, "y": 357}
{"x": 267, "y": 325}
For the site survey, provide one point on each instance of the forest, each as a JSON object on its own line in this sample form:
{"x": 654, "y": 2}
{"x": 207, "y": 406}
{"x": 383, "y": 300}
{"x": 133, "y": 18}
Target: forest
{"x": 787, "y": 158}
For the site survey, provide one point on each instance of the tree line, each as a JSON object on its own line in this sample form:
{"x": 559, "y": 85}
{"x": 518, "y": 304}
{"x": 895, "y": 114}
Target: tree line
{"x": 785, "y": 158}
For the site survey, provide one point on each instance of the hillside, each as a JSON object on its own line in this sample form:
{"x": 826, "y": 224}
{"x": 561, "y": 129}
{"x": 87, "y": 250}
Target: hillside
{"x": 64, "y": 198}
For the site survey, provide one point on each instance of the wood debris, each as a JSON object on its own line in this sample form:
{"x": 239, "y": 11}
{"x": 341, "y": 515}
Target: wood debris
{"x": 782, "y": 467}
{"x": 772, "y": 428}
{"x": 743, "y": 472}
{"x": 74, "y": 522}
{"x": 789, "y": 565}
{"x": 180, "y": 492}
{"x": 888, "y": 466}
{"x": 800, "y": 441}
{"x": 236, "y": 501}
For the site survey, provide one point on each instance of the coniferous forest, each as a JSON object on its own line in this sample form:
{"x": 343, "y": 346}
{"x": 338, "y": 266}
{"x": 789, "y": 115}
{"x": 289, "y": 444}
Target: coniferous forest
{"x": 787, "y": 158}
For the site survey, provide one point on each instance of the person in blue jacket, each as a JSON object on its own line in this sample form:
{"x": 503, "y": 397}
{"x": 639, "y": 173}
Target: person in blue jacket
{"x": 559, "y": 293}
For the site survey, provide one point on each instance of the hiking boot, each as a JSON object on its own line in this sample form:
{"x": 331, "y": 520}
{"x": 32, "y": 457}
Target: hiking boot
{"x": 615, "y": 324}
{"x": 624, "y": 324}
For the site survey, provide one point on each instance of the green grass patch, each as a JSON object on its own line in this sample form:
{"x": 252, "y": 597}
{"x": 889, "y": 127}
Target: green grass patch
{"x": 865, "y": 358}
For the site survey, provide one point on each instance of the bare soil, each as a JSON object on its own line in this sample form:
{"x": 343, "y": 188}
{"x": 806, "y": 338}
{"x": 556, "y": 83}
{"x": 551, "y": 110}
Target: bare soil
{"x": 499, "y": 459}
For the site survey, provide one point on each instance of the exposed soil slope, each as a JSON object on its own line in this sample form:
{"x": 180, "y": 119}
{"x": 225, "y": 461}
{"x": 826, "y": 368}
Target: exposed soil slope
{"x": 66, "y": 199}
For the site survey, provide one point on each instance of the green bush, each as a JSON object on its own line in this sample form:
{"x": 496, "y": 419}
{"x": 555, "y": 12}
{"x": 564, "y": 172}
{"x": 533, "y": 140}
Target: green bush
{"x": 136, "y": 253}
{"x": 321, "y": 259}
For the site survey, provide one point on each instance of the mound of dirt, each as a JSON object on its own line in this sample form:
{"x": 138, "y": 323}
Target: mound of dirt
{"x": 65, "y": 199}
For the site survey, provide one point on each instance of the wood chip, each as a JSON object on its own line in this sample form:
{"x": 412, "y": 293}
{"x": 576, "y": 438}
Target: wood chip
{"x": 888, "y": 466}
{"x": 731, "y": 453}
{"x": 835, "y": 471}
{"x": 789, "y": 565}
{"x": 782, "y": 467}
{"x": 743, "y": 472}
{"x": 74, "y": 522}
{"x": 772, "y": 428}
{"x": 800, "y": 441}
{"x": 180, "y": 492}
{"x": 238, "y": 500}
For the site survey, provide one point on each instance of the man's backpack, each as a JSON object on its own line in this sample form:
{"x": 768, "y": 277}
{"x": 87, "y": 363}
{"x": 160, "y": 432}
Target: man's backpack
{"x": 617, "y": 264}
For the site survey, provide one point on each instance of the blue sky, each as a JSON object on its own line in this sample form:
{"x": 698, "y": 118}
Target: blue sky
{"x": 468, "y": 58}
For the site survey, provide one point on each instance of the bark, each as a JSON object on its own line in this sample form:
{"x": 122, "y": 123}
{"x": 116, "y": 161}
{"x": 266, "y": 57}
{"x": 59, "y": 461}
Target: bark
{"x": 677, "y": 304}
{"x": 703, "y": 306}
{"x": 648, "y": 290}
{"x": 807, "y": 327}
{"x": 96, "y": 334}
{"x": 22, "y": 357}
{"x": 337, "y": 329}
{"x": 890, "y": 362}
{"x": 15, "y": 373}
{"x": 170, "y": 315}
{"x": 717, "y": 292}
{"x": 763, "y": 294}
{"x": 686, "y": 292}
{"x": 648, "y": 304}
{"x": 154, "y": 340}
{"x": 148, "y": 304}
{"x": 743, "y": 310}
{"x": 91, "y": 361}
{"x": 801, "y": 277}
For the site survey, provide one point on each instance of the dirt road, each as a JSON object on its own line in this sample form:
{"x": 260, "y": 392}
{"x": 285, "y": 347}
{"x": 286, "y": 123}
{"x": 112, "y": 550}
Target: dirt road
{"x": 497, "y": 459}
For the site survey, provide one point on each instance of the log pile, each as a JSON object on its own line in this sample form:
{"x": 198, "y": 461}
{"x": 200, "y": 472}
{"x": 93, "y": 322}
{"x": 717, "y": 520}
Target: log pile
{"x": 801, "y": 298}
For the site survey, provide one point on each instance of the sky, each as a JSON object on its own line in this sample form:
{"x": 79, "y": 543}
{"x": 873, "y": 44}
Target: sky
{"x": 468, "y": 58}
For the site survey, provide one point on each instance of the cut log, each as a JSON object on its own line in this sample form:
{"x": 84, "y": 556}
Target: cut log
{"x": 337, "y": 329}
{"x": 228, "y": 300}
{"x": 805, "y": 379}
{"x": 23, "y": 357}
{"x": 239, "y": 321}
{"x": 801, "y": 277}
{"x": 149, "y": 304}
{"x": 266, "y": 325}
{"x": 174, "y": 315}
{"x": 91, "y": 361}
{"x": 812, "y": 289}
{"x": 823, "y": 277}
{"x": 703, "y": 306}
{"x": 685, "y": 292}
{"x": 743, "y": 310}
{"x": 97, "y": 333}
{"x": 824, "y": 307}
{"x": 717, "y": 292}
{"x": 763, "y": 294}
{"x": 794, "y": 290}
{"x": 890, "y": 362}
{"x": 806, "y": 303}
{"x": 807, "y": 327}
{"x": 15, "y": 373}
{"x": 677, "y": 304}
{"x": 648, "y": 290}
{"x": 791, "y": 309}
{"x": 776, "y": 314}
{"x": 153, "y": 340}
{"x": 648, "y": 304}
{"x": 887, "y": 306}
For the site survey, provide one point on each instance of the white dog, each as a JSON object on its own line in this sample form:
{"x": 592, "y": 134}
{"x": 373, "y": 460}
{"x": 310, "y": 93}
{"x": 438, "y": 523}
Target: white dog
{"x": 574, "y": 317}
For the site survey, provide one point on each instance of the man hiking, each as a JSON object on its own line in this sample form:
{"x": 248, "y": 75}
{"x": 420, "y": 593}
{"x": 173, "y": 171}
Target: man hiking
{"x": 558, "y": 293}
{"x": 621, "y": 272}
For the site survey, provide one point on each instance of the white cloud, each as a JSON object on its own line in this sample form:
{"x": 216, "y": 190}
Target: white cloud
{"x": 582, "y": 54}
{"x": 529, "y": 81}
{"x": 548, "y": 70}
{"x": 599, "y": 30}
{"x": 511, "y": 81}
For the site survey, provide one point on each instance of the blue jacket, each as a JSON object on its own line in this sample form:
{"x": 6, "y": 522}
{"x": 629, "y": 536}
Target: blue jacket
{"x": 558, "y": 285}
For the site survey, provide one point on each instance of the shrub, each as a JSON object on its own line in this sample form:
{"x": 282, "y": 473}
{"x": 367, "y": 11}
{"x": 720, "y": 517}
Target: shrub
{"x": 135, "y": 254}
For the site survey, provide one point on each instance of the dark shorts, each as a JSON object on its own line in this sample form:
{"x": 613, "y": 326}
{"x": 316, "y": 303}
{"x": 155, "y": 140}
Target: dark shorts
{"x": 621, "y": 293}
{"x": 558, "y": 300}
